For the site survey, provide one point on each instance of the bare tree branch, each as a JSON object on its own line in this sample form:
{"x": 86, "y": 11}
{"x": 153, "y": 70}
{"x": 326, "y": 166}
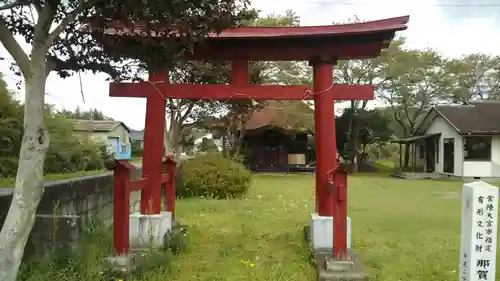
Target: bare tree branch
{"x": 188, "y": 111}
{"x": 70, "y": 17}
{"x": 42, "y": 26}
{"x": 15, "y": 50}
{"x": 38, "y": 6}
{"x": 15, "y": 4}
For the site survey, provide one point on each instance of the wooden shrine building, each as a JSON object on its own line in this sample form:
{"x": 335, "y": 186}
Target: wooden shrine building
{"x": 274, "y": 141}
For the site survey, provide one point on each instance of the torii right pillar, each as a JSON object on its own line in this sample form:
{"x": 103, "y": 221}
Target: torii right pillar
{"x": 330, "y": 226}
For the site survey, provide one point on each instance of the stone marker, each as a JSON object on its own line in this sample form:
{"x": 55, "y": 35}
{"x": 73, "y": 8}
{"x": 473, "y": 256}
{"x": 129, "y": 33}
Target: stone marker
{"x": 478, "y": 241}
{"x": 322, "y": 232}
{"x": 149, "y": 228}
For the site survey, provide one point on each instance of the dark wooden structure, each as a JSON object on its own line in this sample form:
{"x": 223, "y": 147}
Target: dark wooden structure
{"x": 276, "y": 141}
{"x": 272, "y": 148}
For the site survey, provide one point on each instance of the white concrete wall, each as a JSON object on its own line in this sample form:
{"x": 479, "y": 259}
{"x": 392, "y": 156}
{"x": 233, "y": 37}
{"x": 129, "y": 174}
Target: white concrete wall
{"x": 495, "y": 156}
{"x": 439, "y": 125}
{"x": 121, "y": 133}
{"x": 477, "y": 169}
{"x": 485, "y": 169}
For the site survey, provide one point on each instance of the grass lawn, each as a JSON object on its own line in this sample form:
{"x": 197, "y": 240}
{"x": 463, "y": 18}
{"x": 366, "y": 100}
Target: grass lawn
{"x": 402, "y": 230}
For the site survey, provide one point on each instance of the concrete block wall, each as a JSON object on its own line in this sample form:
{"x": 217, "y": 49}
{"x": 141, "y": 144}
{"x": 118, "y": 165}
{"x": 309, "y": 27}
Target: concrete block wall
{"x": 68, "y": 206}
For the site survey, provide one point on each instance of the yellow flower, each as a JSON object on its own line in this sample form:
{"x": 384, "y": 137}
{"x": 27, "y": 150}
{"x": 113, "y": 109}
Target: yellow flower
{"x": 252, "y": 265}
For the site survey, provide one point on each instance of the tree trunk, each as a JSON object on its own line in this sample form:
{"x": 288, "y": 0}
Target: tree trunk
{"x": 29, "y": 181}
{"x": 172, "y": 145}
{"x": 224, "y": 145}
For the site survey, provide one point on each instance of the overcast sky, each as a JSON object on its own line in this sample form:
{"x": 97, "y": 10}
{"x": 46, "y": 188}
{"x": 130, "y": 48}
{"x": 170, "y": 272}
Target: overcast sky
{"x": 452, "y": 27}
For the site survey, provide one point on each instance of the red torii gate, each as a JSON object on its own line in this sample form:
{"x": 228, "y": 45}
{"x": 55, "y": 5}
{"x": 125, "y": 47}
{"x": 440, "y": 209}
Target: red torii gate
{"x": 322, "y": 46}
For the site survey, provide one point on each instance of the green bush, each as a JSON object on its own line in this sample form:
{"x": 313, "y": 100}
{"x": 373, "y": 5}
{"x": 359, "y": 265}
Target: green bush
{"x": 66, "y": 153}
{"x": 212, "y": 175}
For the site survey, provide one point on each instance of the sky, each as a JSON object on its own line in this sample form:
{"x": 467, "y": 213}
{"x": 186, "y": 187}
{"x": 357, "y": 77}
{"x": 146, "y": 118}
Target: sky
{"x": 452, "y": 27}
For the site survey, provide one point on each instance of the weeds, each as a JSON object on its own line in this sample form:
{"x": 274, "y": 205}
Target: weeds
{"x": 86, "y": 261}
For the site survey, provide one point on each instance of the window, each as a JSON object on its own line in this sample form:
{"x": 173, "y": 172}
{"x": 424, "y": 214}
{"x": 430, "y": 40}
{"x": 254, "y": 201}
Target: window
{"x": 421, "y": 151}
{"x": 477, "y": 148}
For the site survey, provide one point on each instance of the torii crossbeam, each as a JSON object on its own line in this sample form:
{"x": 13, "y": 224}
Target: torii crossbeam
{"x": 322, "y": 46}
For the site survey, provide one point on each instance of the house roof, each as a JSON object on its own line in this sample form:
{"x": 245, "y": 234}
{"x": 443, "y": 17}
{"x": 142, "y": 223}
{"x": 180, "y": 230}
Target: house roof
{"x": 137, "y": 135}
{"x": 286, "y": 115}
{"x": 480, "y": 117}
{"x": 289, "y": 115}
{"x": 96, "y": 125}
{"x": 415, "y": 138}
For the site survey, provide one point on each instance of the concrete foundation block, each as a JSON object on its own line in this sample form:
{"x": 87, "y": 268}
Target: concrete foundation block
{"x": 147, "y": 229}
{"x": 338, "y": 265}
{"x": 118, "y": 267}
{"x": 322, "y": 232}
{"x": 329, "y": 269}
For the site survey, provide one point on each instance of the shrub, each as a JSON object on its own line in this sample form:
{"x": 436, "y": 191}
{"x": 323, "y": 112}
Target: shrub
{"x": 212, "y": 175}
{"x": 66, "y": 153}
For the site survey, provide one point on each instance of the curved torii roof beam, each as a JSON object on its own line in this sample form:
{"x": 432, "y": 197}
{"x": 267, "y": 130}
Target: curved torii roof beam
{"x": 345, "y": 41}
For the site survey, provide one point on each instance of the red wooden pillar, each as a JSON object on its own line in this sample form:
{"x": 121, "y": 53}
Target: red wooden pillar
{"x": 239, "y": 75}
{"x": 170, "y": 187}
{"x": 121, "y": 205}
{"x": 152, "y": 162}
{"x": 340, "y": 214}
{"x": 324, "y": 127}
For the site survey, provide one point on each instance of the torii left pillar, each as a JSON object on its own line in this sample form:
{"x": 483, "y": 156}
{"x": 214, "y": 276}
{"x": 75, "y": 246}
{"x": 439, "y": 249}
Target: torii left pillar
{"x": 330, "y": 226}
{"x": 151, "y": 223}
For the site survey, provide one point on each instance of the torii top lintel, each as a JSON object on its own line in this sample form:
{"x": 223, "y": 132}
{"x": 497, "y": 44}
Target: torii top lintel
{"x": 346, "y": 41}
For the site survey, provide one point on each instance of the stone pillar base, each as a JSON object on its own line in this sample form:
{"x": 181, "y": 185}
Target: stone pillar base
{"x": 118, "y": 267}
{"x": 333, "y": 270}
{"x": 322, "y": 232}
{"x": 149, "y": 229}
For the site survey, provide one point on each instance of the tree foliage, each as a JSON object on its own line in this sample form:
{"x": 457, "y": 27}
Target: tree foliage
{"x": 371, "y": 127}
{"x": 473, "y": 77}
{"x": 71, "y": 47}
{"x": 78, "y": 113}
{"x": 66, "y": 153}
{"x": 231, "y": 115}
{"x": 410, "y": 81}
{"x": 60, "y": 41}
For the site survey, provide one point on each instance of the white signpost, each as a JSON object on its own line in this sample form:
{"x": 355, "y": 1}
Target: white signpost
{"x": 478, "y": 241}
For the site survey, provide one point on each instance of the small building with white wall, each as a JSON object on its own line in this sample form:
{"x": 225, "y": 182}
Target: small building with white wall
{"x": 457, "y": 140}
{"x": 115, "y": 135}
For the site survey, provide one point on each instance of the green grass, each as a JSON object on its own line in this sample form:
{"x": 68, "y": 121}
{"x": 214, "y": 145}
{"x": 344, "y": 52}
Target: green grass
{"x": 136, "y": 160}
{"x": 402, "y": 230}
{"x": 384, "y": 166}
{"x": 9, "y": 182}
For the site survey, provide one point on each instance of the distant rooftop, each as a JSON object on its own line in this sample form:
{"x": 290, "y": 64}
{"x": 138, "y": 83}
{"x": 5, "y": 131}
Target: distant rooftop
{"x": 96, "y": 125}
{"x": 137, "y": 135}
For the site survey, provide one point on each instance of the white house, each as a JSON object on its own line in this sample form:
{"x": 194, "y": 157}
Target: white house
{"x": 461, "y": 141}
{"x": 114, "y": 134}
